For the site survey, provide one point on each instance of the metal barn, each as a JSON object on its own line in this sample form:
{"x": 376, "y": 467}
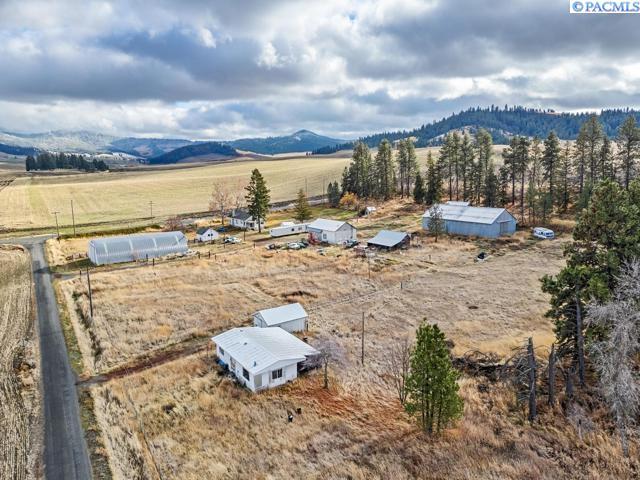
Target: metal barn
{"x": 388, "y": 240}
{"x": 291, "y": 317}
{"x": 462, "y": 219}
{"x": 129, "y": 248}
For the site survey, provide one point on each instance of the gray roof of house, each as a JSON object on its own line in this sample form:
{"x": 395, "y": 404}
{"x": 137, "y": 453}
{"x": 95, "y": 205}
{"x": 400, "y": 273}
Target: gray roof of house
{"x": 256, "y": 349}
{"x": 464, "y": 213}
{"x": 388, "y": 238}
{"x": 202, "y": 230}
{"x": 241, "y": 215}
{"x": 327, "y": 225}
{"x": 282, "y": 314}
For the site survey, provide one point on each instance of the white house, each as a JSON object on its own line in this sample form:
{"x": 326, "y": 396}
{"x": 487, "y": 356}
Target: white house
{"x": 243, "y": 219}
{"x": 288, "y": 228}
{"x": 206, "y": 234}
{"x": 331, "y": 231}
{"x": 291, "y": 317}
{"x": 262, "y": 358}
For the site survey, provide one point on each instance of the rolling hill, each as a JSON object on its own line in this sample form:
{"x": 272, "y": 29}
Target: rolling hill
{"x": 300, "y": 141}
{"x": 211, "y": 150}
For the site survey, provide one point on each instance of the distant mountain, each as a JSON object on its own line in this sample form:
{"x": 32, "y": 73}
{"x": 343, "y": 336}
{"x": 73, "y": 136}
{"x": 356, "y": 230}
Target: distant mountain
{"x": 147, "y": 147}
{"x": 60, "y": 141}
{"x": 300, "y": 141}
{"x": 212, "y": 150}
{"x": 12, "y": 150}
{"x": 502, "y": 123}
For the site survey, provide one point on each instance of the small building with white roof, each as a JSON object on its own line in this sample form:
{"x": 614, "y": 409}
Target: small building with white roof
{"x": 462, "y": 219}
{"x": 333, "y": 232}
{"x": 291, "y": 317}
{"x": 262, "y": 358}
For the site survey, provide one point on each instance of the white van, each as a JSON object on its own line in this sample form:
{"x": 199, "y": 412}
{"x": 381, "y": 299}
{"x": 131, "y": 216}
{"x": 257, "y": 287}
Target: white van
{"x": 543, "y": 233}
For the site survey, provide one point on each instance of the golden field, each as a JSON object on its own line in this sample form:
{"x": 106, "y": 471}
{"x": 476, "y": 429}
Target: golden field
{"x": 29, "y": 202}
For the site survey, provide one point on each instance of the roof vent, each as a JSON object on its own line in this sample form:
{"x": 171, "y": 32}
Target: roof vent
{"x": 255, "y": 363}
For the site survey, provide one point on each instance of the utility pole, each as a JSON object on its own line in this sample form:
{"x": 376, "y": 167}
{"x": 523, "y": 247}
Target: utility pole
{"x": 151, "y": 208}
{"x": 57, "y": 227}
{"x": 90, "y": 294}
{"x": 73, "y": 218}
{"x": 362, "y": 357}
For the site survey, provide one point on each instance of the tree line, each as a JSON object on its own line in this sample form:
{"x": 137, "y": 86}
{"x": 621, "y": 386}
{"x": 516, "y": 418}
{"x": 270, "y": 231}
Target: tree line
{"x": 52, "y": 161}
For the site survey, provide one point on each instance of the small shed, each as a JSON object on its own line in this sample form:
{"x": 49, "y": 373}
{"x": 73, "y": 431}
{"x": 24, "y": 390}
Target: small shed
{"x": 243, "y": 219}
{"x": 291, "y": 317}
{"x": 389, "y": 240}
{"x": 206, "y": 234}
{"x": 332, "y": 231}
{"x": 262, "y": 358}
{"x": 462, "y": 219}
{"x": 129, "y": 248}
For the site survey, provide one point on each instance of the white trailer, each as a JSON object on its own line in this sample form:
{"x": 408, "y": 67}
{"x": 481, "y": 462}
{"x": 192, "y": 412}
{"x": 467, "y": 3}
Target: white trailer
{"x": 288, "y": 228}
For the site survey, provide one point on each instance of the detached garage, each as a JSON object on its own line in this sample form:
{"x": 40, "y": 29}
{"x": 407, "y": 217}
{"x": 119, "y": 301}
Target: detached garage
{"x": 129, "y": 248}
{"x": 331, "y": 231}
{"x": 462, "y": 219}
{"x": 292, "y": 318}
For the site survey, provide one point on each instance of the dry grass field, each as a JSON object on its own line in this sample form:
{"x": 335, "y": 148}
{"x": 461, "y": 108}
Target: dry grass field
{"x": 120, "y": 196}
{"x": 19, "y": 384}
{"x": 181, "y": 419}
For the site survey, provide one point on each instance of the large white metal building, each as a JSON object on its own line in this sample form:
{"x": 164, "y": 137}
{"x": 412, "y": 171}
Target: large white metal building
{"x": 462, "y": 219}
{"x": 331, "y": 231}
{"x": 262, "y": 357}
{"x": 129, "y": 248}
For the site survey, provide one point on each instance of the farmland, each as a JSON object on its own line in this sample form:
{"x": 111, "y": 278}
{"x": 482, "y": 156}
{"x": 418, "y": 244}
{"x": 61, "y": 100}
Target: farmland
{"x": 124, "y": 197}
{"x": 149, "y": 416}
{"x": 19, "y": 384}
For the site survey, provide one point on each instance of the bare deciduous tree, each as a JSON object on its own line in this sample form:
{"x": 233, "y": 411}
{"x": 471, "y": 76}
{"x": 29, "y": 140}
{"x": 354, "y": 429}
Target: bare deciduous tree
{"x": 399, "y": 363}
{"x": 522, "y": 371}
{"x": 221, "y": 198}
{"x": 330, "y": 351}
{"x": 615, "y": 356}
{"x": 173, "y": 223}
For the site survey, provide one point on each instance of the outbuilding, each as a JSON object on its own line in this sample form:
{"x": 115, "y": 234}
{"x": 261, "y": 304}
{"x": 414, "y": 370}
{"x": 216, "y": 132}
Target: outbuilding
{"x": 262, "y": 358}
{"x": 291, "y": 317}
{"x": 462, "y": 219}
{"x": 243, "y": 219}
{"x": 389, "y": 240}
{"x": 331, "y": 231}
{"x": 129, "y": 248}
{"x": 206, "y": 234}
{"x": 288, "y": 228}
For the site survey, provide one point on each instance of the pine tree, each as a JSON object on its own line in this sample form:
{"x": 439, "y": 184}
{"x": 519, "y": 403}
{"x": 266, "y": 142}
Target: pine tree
{"x": 257, "y": 198}
{"x": 333, "y": 194}
{"x": 358, "y": 178}
{"x": 593, "y": 138}
{"x": 403, "y": 162}
{"x": 484, "y": 147}
{"x": 606, "y": 166}
{"x": 301, "y": 208}
{"x": 432, "y": 383}
{"x": 30, "y": 164}
{"x": 550, "y": 162}
{"x": 564, "y": 194}
{"x": 580, "y": 154}
{"x": 491, "y": 188}
{"x": 384, "y": 171}
{"x": 418, "y": 189}
{"x": 433, "y": 191}
{"x": 628, "y": 142}
{"x": 436, "y": 224}
{"x": 467, "y": 156}
{"x": 412, "y": 164}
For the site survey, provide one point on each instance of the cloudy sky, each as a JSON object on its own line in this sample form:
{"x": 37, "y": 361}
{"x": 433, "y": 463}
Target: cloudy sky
{"x": 227, "y": 69}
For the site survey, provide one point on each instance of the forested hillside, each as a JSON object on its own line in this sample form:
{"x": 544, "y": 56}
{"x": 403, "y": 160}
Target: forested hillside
{"x": 195, "y": 150}
{"x": 502, "y": 123}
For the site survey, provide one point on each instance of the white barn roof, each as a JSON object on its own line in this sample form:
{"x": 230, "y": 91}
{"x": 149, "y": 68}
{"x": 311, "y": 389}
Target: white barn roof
{"x": 388, "y": 238}
{"x": 282, "y": 314}
{"x": 326, "y": 225}
{"x": 465, "y": 213}
{"x": 256, "y": 349}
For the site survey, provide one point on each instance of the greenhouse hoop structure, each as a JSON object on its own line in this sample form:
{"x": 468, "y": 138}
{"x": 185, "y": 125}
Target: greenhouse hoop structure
{"x": 130, "y": 248}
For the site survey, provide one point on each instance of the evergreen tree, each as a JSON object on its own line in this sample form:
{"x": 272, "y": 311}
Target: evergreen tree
{"x": 433, "y": 191}
{"x": 580, "y": 154}
{"x": 30, "y": 164}
{"x": 432, "y": 383}
{"x": 593, "y": 138}
{"x": 257, "y": 198}
{"x": 403, "y": 162}
{"x": 412, "y": 164}
{"x": 511, "y": 165}
{"x": 384, "y": 171}
{"x": 550, "y": 163}
{"x": 564, "y": 193}
{"x": 491, "y": 188}
{"x": 606, "y": 166}
{"x": 467, "y": 156}
{"x": 521, "y": 158}
{"x": 436, "y": 223}
{"x": 484, "y": 147}
{"x": 503, "y": 188}
{"x": 419, "y": 192}
{"x": 301, "y": 208}
{"x": 628, "y": 142}
{"x": 358, "y": 178}
{"x": 333, "y": 194}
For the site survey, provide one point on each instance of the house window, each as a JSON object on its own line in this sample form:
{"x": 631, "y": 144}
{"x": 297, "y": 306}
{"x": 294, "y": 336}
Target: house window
{"x": 245, "y": 373}
{"x": 221, "y": 352}
{"x": 232, "y": 365}
{"x": 276, "y": 374}
{"x": 324, "y": 236}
